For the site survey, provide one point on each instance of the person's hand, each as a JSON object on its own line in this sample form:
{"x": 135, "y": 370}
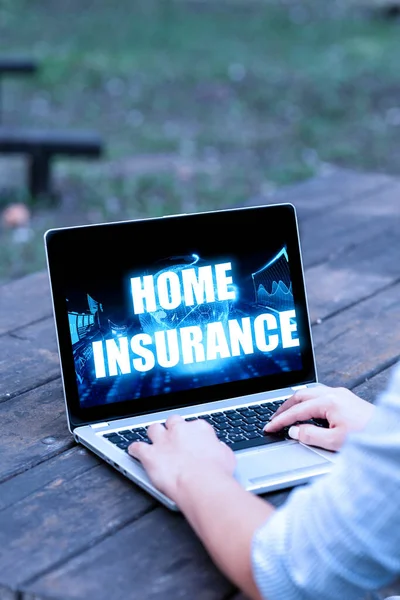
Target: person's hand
{"x": 343, "y": 410}
{"x": 180, "y": 449}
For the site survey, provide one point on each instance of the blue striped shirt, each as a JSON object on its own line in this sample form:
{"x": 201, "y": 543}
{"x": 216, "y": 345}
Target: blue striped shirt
{"x": 339, "y": 536}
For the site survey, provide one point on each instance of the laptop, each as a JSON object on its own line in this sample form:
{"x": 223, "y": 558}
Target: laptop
{"x": 200, "y": 314}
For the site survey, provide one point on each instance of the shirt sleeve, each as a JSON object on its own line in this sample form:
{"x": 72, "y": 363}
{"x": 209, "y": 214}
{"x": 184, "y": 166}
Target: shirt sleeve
{"x": 340, "y": 535}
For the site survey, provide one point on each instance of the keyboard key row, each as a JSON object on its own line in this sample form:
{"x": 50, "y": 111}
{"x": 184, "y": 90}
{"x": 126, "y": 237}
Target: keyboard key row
{"x": 233, "y": 426}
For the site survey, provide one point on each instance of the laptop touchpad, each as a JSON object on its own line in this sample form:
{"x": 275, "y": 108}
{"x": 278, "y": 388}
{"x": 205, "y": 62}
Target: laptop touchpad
{"x": 270, "y": 462}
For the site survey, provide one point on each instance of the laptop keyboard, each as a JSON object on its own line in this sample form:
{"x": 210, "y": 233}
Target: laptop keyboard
{"x": 239, "y": 428}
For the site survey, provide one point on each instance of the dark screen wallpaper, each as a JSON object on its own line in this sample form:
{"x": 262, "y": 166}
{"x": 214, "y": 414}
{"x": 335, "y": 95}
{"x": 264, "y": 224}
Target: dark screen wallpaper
{"x": 182, "y": 322}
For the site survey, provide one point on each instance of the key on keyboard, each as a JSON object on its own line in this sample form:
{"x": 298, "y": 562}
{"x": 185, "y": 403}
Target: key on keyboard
{"x": 239, "y": 428}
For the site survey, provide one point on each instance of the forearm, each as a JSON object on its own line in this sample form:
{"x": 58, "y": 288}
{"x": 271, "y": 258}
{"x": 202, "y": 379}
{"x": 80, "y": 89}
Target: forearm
{"x": 225, "y": 517}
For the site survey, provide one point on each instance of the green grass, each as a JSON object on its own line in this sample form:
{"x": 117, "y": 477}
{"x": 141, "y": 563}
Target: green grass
{"x": 247, "y": 95}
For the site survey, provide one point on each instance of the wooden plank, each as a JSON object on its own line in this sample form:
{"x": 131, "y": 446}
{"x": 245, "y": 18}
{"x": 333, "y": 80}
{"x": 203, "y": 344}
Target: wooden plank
{"x": 21, "y": 448}
{"x": 28, "y": 358}
{"x": 66, "y": 465}
{"x": 64, "y": 569}
{"x": 156, "y": 557}
{"x": 372, "y": 388}
{"x": 359, "y": 342}
{"x": 93, "y": 571}
{"x": 327, "y": 191}
{"x": 353, "y": 275}
{"x": 340, "y": 186}
{"x": 24, "y": 301}
{"x": 336, "y": 232}
{"x": 34, "y": 428}
{"x": 67, "y": 515}
{"x": 187, "y": 570}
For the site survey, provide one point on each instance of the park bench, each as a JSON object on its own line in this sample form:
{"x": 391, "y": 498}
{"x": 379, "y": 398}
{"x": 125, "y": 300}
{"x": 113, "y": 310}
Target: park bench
{"x": 42, "y": 145}
{"x": 16, "y": 66}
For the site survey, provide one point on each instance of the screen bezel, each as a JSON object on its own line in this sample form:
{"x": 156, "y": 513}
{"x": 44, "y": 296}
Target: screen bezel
{"x": 58, "y": 243}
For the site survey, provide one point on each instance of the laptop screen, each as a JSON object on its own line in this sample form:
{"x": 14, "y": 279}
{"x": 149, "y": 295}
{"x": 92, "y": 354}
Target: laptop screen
{"x": 166, "y": 312}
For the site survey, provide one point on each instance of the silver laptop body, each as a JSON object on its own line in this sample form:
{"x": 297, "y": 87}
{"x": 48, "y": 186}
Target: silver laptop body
{"x": 133, "y": 352}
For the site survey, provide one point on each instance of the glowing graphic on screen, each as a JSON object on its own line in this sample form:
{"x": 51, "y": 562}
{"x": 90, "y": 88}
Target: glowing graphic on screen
{"x": 190, "y": 323}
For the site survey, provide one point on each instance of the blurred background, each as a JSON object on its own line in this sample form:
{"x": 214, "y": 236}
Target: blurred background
{"x": 200, "y": 104}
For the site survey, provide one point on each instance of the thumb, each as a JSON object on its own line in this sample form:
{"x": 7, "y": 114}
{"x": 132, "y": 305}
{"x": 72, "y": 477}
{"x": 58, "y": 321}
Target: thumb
{"x": 311, "y": 435}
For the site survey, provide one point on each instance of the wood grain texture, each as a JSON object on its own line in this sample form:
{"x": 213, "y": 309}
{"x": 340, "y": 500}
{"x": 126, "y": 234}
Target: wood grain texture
{"x": 157, "y": 557}
{"x": 354, "y": 275}
{"x": 28, "y": 358}
{"x": 376, "y": 385}
{"x": 68, "y": 514}
{"x": 75, "y": 529}
{"x": 33, "y": 429}
{"x": 24, "y": 301}
{"x": 335, "y": 232}
{"x": 69, "y": 464}
{"x": 327, "y": 191}
{"x": 359, "y": 342}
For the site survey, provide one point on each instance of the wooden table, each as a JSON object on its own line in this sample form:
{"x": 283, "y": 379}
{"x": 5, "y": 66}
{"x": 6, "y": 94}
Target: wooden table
{"x": 73, "y": 528}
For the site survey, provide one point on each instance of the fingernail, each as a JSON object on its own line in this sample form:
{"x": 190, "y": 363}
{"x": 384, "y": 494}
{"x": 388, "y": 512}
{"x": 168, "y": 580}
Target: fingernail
{"x": 294, "y": 432}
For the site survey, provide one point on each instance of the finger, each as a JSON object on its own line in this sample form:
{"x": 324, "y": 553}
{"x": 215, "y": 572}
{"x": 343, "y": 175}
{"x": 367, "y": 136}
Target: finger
{"x": 155, "y": 431}
{"x": 139, "y": 450}
{"x": 174, "y": 420}
{"x": 329, "y": 439}
{"x": 303, "y": 411}
{"x": 292, "y": 401}
{"x": 299, "y": 396}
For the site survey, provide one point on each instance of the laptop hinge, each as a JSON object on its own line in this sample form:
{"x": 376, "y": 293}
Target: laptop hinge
{"x": 98, "y": 425}
{"x": 298, "y": 387}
